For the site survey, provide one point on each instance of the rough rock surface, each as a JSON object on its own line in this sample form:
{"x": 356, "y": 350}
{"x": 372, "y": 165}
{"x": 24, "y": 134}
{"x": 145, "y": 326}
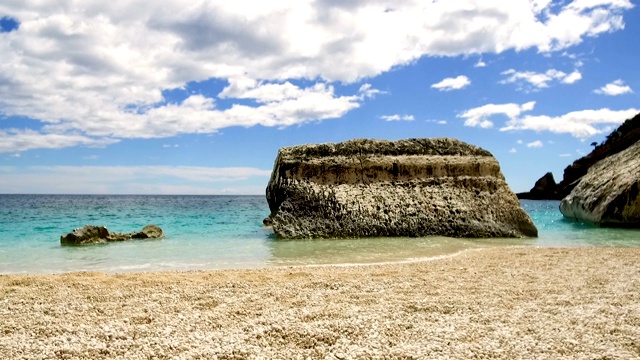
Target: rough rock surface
{"x": 609, "y": 194}
{"x": 92, "y": 234}
{"x": 413, "y": 187}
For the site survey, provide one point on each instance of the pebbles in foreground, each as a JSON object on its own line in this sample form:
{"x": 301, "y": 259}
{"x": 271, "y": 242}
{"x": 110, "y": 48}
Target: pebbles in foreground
{"x": 493, "y": 303}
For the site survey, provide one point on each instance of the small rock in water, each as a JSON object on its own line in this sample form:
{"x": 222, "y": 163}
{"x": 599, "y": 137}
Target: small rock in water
{"x": 92, "y": 234}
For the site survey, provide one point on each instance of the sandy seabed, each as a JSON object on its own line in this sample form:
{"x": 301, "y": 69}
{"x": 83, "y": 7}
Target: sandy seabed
{"x": 509, "y": 303}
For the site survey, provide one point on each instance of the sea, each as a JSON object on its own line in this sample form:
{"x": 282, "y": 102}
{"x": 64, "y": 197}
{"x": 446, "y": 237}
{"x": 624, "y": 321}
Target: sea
{"x": 226, "y": 232}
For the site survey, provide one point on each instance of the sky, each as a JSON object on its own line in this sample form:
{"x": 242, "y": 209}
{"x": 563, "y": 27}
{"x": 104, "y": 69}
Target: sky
{"x": 196, "y": 97}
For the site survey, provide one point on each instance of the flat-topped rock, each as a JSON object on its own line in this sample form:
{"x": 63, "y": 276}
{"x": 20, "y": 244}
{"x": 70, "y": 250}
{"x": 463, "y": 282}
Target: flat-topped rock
{"x": 374, "y": 188}
{"x": 609, "y": 194}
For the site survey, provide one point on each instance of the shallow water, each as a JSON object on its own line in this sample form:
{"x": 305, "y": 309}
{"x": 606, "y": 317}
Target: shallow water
{"x": 222, "y": 232}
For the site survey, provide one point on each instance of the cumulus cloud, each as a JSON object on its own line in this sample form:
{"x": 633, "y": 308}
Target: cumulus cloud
{"x": 96, "y": 71}
{"x": 572, "y": 77}
{"x": 614, "y": 88}
{"x": 480, "y": 64}
{"x": 533, "y": 80}
{"x": 535, "y": 144}
{"x": 455, "y": 83}
{"x": 132, "y": 179}
{"x": 397, "y": 117}
{"x": 480, "y": 116}
{"x": 581, "y": 124}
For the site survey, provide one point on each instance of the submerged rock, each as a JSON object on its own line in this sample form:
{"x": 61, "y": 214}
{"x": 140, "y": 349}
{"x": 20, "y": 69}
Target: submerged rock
{"x": 371, "y": 188}
{"x": 92, "y": 234}
{"x": 608, "y": 194}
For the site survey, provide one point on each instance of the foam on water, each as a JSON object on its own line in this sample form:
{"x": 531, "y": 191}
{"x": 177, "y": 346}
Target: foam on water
{"x": 226, "y": 232}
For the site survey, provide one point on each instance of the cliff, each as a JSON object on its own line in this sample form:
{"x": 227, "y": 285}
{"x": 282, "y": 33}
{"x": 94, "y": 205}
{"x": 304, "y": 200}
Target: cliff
{"x": 620, "y": 139}
{"x": 372, "y": 188}
{"x": 609, "y": 194}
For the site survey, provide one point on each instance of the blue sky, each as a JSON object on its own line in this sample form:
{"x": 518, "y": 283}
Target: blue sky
{"x": 196, "y": 97}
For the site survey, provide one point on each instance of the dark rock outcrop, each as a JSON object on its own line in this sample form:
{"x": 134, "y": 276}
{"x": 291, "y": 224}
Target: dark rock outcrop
{"x": 620, "y": 139}
{"x": 545, "y": 188}
{"x": 92, "y": 234}
{"x": 374, "y": 188}
{"x": 608, "y": 194}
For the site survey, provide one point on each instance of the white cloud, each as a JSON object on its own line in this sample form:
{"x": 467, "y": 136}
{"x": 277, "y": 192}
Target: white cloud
{"x": 480, "y": 116}
{"x": 519, "y": 142}
{"x": 94, "y": 71}
{"x": 397, "y": 117}
{"x": 526, "y": 79}
{"x": 12, "y": 140}
{"x": 480, "y": 64}
{"x": 455, "y": 83}
{"x": 513, "y": 150}
{"x": 535, "y": 144}
{"x": 132, "y": 180}
{"x": 581, "y": 124}
{"x": 614, "y": 88}
{"x": 565, "y": 155}
{"x": 572, "y": 78}
{"x": 367, "y": 91}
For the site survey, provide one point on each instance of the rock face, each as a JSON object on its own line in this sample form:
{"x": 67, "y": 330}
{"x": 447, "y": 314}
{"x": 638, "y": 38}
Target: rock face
{"x": 627, "y": 134}
{"x": 375, "y": 188}
{"x": 545, "y": 188}
{"x": 608, "y": 194}
{"x": 91, "y": 234}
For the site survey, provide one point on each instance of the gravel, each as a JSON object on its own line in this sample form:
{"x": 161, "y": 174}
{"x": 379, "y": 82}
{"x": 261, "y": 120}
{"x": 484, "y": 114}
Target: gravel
{"x": 541, "y": 303}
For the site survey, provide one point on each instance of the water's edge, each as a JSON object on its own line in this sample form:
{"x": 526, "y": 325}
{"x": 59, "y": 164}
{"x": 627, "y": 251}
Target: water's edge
{"x": 226, "y": 232}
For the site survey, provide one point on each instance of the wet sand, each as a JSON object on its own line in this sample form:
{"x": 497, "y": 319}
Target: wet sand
{"x": 494, "y": 303}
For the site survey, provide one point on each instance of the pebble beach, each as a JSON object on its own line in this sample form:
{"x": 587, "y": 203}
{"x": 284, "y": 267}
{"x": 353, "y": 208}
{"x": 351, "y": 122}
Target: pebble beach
{"x": 499, "y": 303}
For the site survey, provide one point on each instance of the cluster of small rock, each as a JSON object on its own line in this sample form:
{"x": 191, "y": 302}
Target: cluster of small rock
{"x": 92, "y": 234}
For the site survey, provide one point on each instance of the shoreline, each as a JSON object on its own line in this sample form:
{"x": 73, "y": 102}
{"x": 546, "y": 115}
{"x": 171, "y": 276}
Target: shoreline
{"x": 493, "y": 303}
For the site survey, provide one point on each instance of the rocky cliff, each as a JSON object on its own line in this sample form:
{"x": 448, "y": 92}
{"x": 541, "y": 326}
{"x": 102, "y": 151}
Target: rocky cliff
{"x": 545, "y": 188}
{"x": 371, "y": 188}
{"x": 620, "y": 139}
{"x": 608, "y": 194}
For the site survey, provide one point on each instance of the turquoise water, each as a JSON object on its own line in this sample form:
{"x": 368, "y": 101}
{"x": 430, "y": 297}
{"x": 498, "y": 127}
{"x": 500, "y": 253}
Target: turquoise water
{"x": 223, "y": 232}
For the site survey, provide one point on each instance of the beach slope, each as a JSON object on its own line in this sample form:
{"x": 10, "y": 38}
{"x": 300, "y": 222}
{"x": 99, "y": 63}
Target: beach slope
{"x": 493, "y": 303}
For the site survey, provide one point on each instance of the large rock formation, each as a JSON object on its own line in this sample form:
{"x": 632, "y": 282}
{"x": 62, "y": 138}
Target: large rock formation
{"x": 371, "y": 188}
{"x": 92, "y": 234}
{"x": 627, "y": 134}
{"x": 608, "y": 194}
